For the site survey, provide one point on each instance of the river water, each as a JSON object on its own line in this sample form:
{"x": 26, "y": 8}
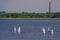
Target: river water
{"x": 30, "y": 29}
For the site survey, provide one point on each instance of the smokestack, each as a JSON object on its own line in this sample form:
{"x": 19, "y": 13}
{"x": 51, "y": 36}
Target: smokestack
{"x": 49, "y": 6}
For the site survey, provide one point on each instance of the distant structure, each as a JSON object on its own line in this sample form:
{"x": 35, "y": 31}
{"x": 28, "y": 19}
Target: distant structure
{"x": 49, "y": 6}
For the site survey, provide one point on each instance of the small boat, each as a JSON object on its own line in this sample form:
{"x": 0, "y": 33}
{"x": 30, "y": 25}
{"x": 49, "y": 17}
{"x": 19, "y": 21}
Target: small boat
{"x": 43, "y": 30}
{"x": 15, "y": 29}
{"x": 52, "y": 32}
{"x": 19, "y": 30}
{"x": 49, "y": 30}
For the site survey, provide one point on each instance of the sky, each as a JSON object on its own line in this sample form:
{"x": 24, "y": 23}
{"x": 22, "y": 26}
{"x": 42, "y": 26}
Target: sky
{"x": 29, "y": 5}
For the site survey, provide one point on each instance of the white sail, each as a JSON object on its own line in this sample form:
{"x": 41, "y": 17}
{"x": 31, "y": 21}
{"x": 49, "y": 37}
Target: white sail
{"x": 52, "y": 32}
{"x": 43, "y": 30}
{"x": 48, "y": 28}
{"x": 15, "y": 29}
{"x": 19, "y": 30}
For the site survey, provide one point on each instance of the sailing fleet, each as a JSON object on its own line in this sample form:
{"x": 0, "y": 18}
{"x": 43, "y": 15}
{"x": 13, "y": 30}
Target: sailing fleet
{"x": 49, "y": 30}
{"x": 43, "y": 30}
{"x": 17, "y": 30}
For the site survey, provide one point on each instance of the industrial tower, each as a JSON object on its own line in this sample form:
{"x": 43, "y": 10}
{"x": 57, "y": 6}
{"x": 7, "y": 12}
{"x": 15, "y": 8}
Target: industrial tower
{"x": 49, "y": 6}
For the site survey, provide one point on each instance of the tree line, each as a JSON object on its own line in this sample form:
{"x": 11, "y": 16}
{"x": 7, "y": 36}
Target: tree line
{"x": 29, "y": 15}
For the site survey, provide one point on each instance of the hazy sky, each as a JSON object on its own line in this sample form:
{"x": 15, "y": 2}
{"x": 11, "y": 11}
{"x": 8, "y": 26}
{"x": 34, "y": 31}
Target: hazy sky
{"x": 29, "y": 5}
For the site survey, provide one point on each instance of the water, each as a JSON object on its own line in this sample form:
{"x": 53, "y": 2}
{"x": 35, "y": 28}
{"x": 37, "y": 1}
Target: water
{"x": 30, "y": 29}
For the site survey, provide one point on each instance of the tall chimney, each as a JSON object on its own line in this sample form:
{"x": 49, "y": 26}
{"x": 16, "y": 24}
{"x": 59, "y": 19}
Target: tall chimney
{"x": 49, "y": 6}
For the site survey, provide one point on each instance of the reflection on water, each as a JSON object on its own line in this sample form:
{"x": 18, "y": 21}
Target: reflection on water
{"x": 30, "y": 29}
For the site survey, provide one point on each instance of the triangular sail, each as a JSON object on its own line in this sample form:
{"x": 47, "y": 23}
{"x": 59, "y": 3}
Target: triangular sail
{"x": 52, "y": 32}
{"x": 19, "y": 30}
{"x": 43, "y": 30}
{"x": 48, "y": 29}
{"x": 15, "y": 29}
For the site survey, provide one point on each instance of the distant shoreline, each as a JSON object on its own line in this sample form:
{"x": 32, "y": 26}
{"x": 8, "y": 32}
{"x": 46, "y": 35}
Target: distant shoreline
{"x": 31, "y": 18}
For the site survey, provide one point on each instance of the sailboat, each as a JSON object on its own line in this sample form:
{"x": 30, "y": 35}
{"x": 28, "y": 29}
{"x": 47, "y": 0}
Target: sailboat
{"x": 48, "y": 29}
{"x": 52, "y": 32}
{"x": 43, "y": 30}
{"x": 19, "y": 30}
{"x": 15, "y": 29}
